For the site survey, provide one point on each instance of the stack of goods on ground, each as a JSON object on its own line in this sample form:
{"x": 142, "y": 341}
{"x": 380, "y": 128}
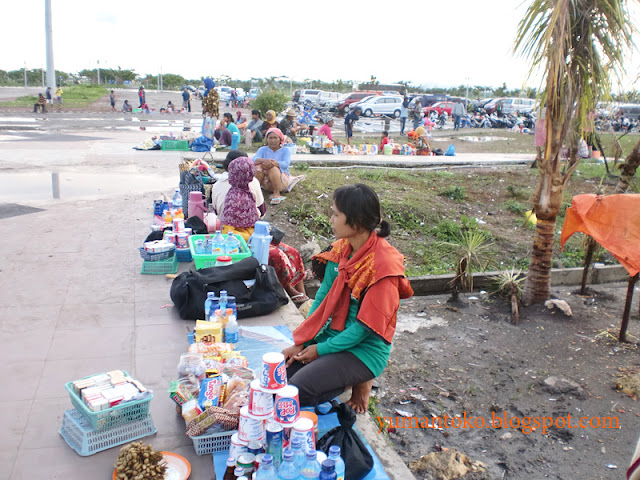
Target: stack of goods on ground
{"x": 109, "y": 409}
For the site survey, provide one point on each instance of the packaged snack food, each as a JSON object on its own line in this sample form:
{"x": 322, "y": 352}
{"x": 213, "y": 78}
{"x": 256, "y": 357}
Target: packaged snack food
{"x": 190, "y": 410}
{"x": 210, "y": 390}
{"x": 179, "y": 393}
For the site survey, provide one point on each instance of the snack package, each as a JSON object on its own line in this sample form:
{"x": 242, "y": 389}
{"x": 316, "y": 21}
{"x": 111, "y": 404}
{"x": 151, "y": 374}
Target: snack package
{"x": 235, "y": 385}
{"x": 190, "y": 410}
{"x": 237, "y": 361}
{"x": 213, "y": 415}
{"x": 179, "y": 393}
{"x": 244, "y": 373}
{"x": 236, "y": 401}
{"x": 210, "y": 390}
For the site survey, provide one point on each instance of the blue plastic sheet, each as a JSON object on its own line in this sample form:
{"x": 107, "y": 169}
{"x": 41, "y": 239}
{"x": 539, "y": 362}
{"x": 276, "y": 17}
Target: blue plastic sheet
{"x": 256, "y": 341}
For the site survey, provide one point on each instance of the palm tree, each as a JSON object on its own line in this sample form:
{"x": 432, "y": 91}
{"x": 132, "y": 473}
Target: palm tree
{"x": 579, "y": 44}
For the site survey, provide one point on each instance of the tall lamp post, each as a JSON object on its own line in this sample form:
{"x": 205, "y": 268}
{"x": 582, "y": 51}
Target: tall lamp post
{"x": 51, "y": 72}
{"x": 467, "y": 94}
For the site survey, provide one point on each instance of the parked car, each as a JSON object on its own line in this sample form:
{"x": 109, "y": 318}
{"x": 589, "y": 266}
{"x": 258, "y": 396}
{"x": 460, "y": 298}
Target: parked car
{"x": 439, "y": 107}
{"x": 380, "y": 105}
{"x": 353, "y": 97}
{"x": 201, "y": 90}
{"x": 224, "y": 93}
{"x": 513, "y": 105}
{"x": 324, "y": 98}
{"x": 296, "y": 96}
{"x": 310, "y": 96}
{"x": 428, "y": 100}
{"x": 254, "y": 92}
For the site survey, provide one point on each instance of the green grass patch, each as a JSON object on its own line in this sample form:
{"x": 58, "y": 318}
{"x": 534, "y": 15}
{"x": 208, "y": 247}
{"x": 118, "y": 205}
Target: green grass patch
{"x": 515, "y": 206}
{"x": 76, "y": 96}
{"x": 453, "y": 192}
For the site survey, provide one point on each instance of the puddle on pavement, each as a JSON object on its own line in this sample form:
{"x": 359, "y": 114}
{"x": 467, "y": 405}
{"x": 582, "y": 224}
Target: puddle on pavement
{"x": 481, "y": 139}
{"x": 39, "y": 187}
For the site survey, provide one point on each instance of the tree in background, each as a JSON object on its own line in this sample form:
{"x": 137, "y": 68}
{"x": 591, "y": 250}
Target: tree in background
{"x": 271, "y": 100}
{"x": 579, "y": 44}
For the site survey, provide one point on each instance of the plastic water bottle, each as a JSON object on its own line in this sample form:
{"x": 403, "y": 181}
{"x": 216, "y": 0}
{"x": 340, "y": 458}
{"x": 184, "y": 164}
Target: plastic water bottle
{"x": 222, "y": 301}
{"x": 239, "y": 473}
{"x": 231, "y": 244}
{"x": 311, "y": 468}
{"x": 298, "y": 454}
{"x": 334, "y": 454}
{"x": 232, "y": 332}
{"x": 288, "y": 470}
{"x": 210, "y": 305}
{"x": 231, "y": 303}
{"x": 328, "y": 471}
{"x": 218, "y": 244}
{"x": 177, "y": 199}
{"x": 266, "y": 470}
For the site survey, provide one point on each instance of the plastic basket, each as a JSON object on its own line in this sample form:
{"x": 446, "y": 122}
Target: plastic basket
{"x": 184, "y": 255}
{"x": 77, "y": 432}
{"x": 216, "y": 442}
{"x": 293, "y": 148}
{"x": 204, "y": 260}
{"x": 114, "y": 416}
{"x": 154, "y": 257}
{"x": 181, "y": 145}
{"x": 160, "y": 267}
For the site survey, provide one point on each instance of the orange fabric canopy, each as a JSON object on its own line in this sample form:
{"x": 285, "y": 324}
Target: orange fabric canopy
{"x": 613, "y": 221}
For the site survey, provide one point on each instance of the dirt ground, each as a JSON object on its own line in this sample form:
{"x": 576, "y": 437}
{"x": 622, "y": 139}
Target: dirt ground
{"x": 469, "y": 359}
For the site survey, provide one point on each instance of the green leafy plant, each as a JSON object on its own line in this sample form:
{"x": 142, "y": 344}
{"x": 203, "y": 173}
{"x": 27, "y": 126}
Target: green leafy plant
{"x": 469, "y": 248}
{"x": 274, "y": 100}
{"x": 509, "y": 284}
{"x": 453, "y": 192}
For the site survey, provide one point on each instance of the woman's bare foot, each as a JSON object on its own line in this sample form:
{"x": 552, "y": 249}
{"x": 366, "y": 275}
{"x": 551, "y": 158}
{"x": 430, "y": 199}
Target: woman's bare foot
{"x": 360, "y": 393}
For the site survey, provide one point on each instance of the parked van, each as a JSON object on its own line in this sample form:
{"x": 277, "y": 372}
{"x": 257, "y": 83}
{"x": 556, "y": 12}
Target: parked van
{"x": 521, "y": 105}
{"x": 325, "y": 98}
{"x": 309, "y": 96}
{"x": 353, "y": 97}
{"x": 629, "y": 110}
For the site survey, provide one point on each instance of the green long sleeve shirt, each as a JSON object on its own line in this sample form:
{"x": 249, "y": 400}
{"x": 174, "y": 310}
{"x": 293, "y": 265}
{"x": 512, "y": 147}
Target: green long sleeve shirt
{"x": 355, "y": 338}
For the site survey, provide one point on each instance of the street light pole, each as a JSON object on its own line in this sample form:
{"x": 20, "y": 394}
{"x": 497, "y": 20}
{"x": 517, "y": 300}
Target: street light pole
{"x": 98, "y": 72}
{"x": 467, "y": 94}
{"x": 51, "y": 72}
{"x": 25, "y": 74}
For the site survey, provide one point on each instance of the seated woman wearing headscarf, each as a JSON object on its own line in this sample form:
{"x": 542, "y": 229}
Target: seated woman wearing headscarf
{"x": 211, "y": 100}
{"x": 420, "y": 141}
{"x": 239, "y": 215}
{"x": 346, "y": 339}
{"x": 269, "y": 122}
{"x": 272, "y": 165}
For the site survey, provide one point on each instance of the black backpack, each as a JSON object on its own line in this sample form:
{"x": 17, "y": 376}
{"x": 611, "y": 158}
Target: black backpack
{"x": 189, "y": 289}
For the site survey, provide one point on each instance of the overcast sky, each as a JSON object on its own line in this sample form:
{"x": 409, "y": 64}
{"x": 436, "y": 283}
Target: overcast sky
{"x": 433, "y": 43}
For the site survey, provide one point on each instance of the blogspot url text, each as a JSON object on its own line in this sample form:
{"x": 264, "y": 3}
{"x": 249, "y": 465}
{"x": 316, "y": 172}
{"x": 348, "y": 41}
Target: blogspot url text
{"x": 499, "y": 420}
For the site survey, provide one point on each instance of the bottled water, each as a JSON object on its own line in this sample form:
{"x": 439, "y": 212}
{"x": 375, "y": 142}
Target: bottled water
{"x": 298, "y": 454}
{"x": 218, "y": 244}
{"x": 328, "y": 471}
{"x": 311, "y": 468}
{"x": 210, "y": 305}
{"x": 232, "y": 332}
{"x": 177, "y": 199}
{"x": 334, "y": 454}
{"x": 231, "y": 244}
{"x": 288, "y": 469}
{"x": 266, "y": 470}
{"x": 222, "y": 302}
{"x": 231, "y": 303}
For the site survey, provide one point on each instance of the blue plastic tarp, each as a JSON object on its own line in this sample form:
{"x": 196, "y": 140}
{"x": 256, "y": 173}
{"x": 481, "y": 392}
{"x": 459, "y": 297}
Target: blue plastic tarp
{"x": 255, "y": 342}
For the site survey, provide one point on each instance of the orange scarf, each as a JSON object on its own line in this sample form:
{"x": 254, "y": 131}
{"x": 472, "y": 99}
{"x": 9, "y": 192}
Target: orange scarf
{"x": 375, "y": 260}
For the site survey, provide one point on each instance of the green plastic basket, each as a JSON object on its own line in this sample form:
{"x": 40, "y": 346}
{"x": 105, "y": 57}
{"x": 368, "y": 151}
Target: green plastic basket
{"x": 181, "y": 145}
{"x": 111, "y": 417}
{"x": 160, "y": 267}
{"x": 216, "y": 442}
{"x": 209, "y": 260}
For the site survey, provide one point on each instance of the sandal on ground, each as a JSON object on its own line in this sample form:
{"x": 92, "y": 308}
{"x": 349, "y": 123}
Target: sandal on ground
{"x": 299, "y": 299}
{"x": 277, "y": 200}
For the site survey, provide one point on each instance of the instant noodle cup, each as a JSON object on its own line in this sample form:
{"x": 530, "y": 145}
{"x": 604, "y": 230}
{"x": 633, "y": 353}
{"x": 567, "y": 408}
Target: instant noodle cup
{"x": 287, "y": 406}
{"x": 249, "y": 428}
{"x": 237, "y": 446}
{"x": 274, "y": 372}
{"x": 303, "y": 429}
{"x": 260, "y": 402}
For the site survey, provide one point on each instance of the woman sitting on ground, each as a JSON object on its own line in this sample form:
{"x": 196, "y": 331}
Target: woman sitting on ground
{"x": 346, "y": 339}
{"x": 421, "y": 141}
{"x": 272, "y": 165}
{"x": 268, "y": 123}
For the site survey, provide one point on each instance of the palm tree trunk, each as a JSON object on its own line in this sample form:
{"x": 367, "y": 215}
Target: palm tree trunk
{"x": 538, "y": 284}
{"x": 628, "y": 169}
{"x": 627, "y": 309}
{"x": 515, "y": 310}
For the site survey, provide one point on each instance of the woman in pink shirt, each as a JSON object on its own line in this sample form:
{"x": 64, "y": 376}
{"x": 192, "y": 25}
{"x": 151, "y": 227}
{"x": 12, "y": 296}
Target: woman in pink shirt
{"x": 326, "y": 131}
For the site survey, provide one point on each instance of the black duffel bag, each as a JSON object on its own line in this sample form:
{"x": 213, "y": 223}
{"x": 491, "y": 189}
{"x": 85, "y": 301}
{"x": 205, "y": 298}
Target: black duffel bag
{"x": 189, "y": 289}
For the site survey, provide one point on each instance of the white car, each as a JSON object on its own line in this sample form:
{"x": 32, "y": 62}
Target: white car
{"x": 224, "y": 93}
{"x": 380, "y": 105}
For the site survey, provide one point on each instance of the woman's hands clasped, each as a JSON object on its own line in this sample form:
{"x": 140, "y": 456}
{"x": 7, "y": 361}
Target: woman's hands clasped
{"x": 299, "y": 353}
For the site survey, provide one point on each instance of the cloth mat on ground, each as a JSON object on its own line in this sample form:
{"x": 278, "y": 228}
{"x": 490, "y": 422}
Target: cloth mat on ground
{"x": 256, "y": 341}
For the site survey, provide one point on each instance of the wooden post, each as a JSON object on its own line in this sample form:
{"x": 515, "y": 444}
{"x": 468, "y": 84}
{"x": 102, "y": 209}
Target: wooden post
{"x": 627, "y": 308}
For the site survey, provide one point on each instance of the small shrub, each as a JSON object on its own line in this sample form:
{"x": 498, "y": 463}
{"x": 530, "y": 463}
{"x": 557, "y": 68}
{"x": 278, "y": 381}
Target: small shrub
{"x": 446, "y": 231}
{"x": 515, "y": 206}
{"x": 270, "y": 100}
{"x": 453, "y": 192}
{"x": 515, "y": 192}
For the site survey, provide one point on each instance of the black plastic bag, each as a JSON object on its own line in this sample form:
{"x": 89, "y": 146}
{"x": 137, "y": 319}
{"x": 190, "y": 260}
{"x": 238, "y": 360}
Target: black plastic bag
{"x": 197, "y": 225}
{"x": 189, "y": 289}
{"x": 357, "y": 459}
